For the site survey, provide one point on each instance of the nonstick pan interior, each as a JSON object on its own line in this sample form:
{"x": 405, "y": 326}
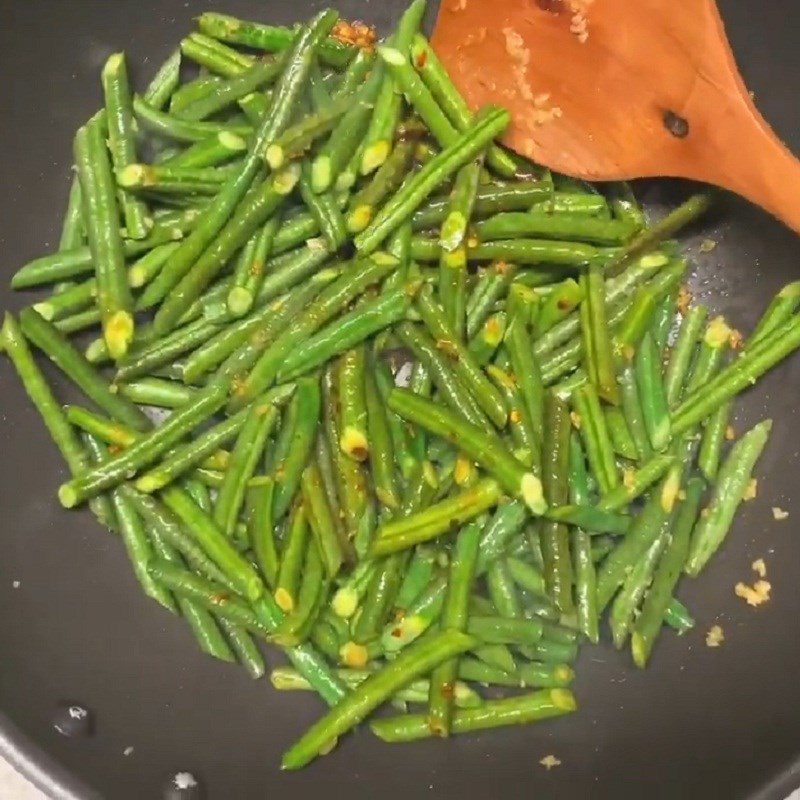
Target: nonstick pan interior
{"x": 699, "y": 723}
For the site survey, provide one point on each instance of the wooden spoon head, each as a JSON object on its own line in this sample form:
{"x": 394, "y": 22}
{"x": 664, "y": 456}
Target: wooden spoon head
{"x": 622, "y": 89}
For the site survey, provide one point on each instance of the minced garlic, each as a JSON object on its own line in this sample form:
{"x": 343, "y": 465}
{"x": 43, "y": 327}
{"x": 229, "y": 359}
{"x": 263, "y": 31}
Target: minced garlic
{"x": 550, "y": 761}
{"x": 754, "y": 595}
{"x": 759, "y": 567}
{"x": 715, "y": 636}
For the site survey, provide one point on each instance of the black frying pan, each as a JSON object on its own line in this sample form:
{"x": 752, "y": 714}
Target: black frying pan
{"x": 699, "y": 723}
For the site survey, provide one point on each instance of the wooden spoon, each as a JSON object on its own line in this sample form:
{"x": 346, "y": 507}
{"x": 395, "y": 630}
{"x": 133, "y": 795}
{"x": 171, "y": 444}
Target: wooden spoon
{"x": 622, "y": 89}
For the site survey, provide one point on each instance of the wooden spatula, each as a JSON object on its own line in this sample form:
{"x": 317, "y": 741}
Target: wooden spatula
{"x": 612, "y": 89}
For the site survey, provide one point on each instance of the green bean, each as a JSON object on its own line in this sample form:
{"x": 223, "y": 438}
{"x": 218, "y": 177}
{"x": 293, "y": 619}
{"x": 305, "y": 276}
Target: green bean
{"x": 386, "y": 116}
{"x": 559, "y": 256}
{"x": 554, "y": 535}
{"x": 210, "y": 152}
{"x": 527, "y": 371}
{"x": 464, "y": 367}
{"x": 414, "y": 662}
{"x": 438, "y": 82}
{"x": 352, "y": 404}
{"x": 503, "y": 591}
{"x": 553, "y": 652}
{"x": 351, "y": 481}
{"x": 72, "y": 263}
{"x": 381, "y": 452}
{"x": 347, "y": 331}
{"x": 677, "y": 616}
{"x": 294, "y": 445}
{"x": 418, "y": 96}
{"x": 379, "y": 597}
{"x": 421, "y": 185}
{"x": 664, "y": 318}
{"x": 711, "y": 443}
{"x": 644, "y": 530}
{"x": 321, "y": 521}
{"x": 333, "y": 157}
{"x": 164, "y": 82}
{"x": 215, "y": 56}
{"x": 681, "y": 354}
{"x": 536, "y": 225}
{"x": 294, "y": 549}
{"x": 401, "y": 444}
{"x": 489, "y": 200}
{"x": 597, "y": 351}
{"x": 596, "y": 440}
{"x": 324, "y": 209}
{"x": 136, "y": 541}
{"x": 637, "y": 482}
{"x": 261, "y": 202}
{"x": 245, "y": 455}
{"x": 73, "y": 230}
{"x": 594, "y": 518}
{"x": 144, "y": 451}
{"x": 121, "y": 140}
{"x": 620, "y": 434}
{"x": 48, "y": 339}
{"x": 202, "y": 86}
{"x": 297, "y": 625}
{"x": 711, "y": 350}
{"x": 249, "y": 274}
{"x": 247, "y": 653}
{"x": 240, "y": 344}
{"x": 557, "y": 305}
{"x": 454, "y": 617}
{"x": 219, "y": 212}
{"x": 665, "y": 578}
{"x": 626, "y": 602}
{"x": 105, "y": 244}
{"x": 652, "y": 394}
{"x": 167, "y": 527}
{"x": 288, "y": 679}
{"x": 520, "y": 426}
{"x": 182, "y": 458}
{"x": 482, "y": 446}
{"x": 79, "y": 322}
{"x": 418, "y": 575}
{"x": 164, "y": 180}
{"x": 159, "y": 352}
{"x": 419, "y": 617}
{"x": 49, "y": 409}
{"x": 632, "y": 411}
{"x": 260, "y": 529}
{"x": 179, "y": 130}
{"x": 263, "y": 619}
{"x": 267, "y": 37}
{"x": 384, "y": 182}
{"x": 617, "y": 289}
{"x": 485, "y": 342}
{"x": 213, "y": 541}
{"x": 649, "y": 238}
{"x": 778, "y": 312}
{"x": 581, "y": 546}
{"x": 157, "y": 392}
{"x": 430, "y": 356}
{"x": 439, "y": 518}
{"x": 227, "y": 91}
{"x": 753, "y": 363}
{"x": 502, "y": 630}
{"x": 332, "y": 299}
{"x": 496, "y": 283}
{"x": 729, "y": 489}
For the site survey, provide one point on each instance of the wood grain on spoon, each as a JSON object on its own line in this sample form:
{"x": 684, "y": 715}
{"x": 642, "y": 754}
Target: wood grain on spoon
{"x": 626, "y": 89}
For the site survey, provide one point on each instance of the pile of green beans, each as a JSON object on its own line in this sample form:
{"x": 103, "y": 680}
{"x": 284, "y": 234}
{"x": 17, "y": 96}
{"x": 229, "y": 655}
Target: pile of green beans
{"x": 416, "y": 481}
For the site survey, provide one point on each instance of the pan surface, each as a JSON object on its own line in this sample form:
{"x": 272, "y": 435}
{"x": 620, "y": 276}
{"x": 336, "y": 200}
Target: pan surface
{"x": 699, "y": 723}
